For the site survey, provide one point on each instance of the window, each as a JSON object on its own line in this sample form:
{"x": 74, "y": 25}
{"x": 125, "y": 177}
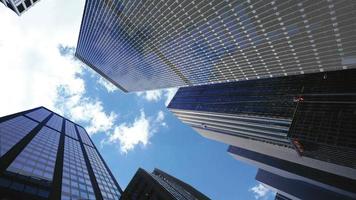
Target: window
{"x": 28, "y": 3}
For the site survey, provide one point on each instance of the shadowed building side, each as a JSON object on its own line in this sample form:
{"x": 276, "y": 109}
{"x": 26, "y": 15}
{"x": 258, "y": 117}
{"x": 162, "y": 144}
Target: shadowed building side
{"x": 160, "y": 186}
{"x": 307, "y": 119}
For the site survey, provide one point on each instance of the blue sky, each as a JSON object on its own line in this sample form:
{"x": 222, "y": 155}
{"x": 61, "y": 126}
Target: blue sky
{"x": 174, "y": 148}
{"x": 130, "y": 130}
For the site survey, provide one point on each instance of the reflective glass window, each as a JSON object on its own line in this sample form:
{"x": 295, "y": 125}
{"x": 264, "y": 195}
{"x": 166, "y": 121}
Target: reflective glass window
{"x": 39, "y": 114}
{"x": 76, "y": 182}
{"x": 70, "y": 130}
{"x": 55, "y": 122}
{"x": 39, "y": 156}
{"x": 106, "y": 184}
{"x": 84, "y": 136}
{"x": 13, "y": 130}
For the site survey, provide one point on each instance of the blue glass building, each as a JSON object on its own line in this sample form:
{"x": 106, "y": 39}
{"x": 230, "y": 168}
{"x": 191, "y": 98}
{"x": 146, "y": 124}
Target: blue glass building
{"x": 144, "y": 45}
{"x": 45, "y": 156}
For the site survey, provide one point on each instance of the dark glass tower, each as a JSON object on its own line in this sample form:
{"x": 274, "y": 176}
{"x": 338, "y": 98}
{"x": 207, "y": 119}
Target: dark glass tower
{"x": 159, "y": 185}
{"x": 308, "y": 119}
{"x": 143, "y": 45}
{"x": 45, "y": 156}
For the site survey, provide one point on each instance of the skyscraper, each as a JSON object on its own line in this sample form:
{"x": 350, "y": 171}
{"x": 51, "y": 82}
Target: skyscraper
{"x": 297, "y": 179}
{"x": 144, "y": 45}
{"x": 293, "y": 187}
{"x": 311, "y": 115}
{"x": 259, "y": 119}
{"x": 159, "y": 185}
{"x": 19, "y": 6}
{"x": 45, "y": 156}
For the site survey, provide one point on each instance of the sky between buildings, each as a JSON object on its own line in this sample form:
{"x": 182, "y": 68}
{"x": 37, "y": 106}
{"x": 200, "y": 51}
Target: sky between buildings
{"x": 132, "y": 130}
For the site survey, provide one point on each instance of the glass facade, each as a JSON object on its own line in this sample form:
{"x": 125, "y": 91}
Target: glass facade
{"x": 84, "y": 136}
{"x": 51, "y": 162}
{"x": 141, "y": 45}
{"x": 39, "y": 156}
{"x": 70, "y": 130}
{"x": 13, "y": 130}
{"x": 76, "y": 182}
{"x": 106, "y": 184}
{"x": 315, "y": 111}
{"x": 39, "y": 114}
{"x": 55, "y": 122}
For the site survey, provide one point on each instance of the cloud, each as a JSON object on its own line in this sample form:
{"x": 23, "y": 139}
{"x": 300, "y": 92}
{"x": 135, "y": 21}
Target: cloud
{"x": 129, "y": 135}
{"x": 152, "y": 95}
{"x": 157, "y": 95}
{"x": 169, "y": 94}
{"x": 107, "y": 85}
{"x": 260, "y": 191}
{"x": 38, "y": 67}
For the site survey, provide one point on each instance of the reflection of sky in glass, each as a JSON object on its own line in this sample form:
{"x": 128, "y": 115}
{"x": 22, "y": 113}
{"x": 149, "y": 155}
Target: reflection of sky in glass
{"x": 154, "y": 44}
{"x": 38, "y": 114}
{"x": 13, "y": 130}
{"x": 76, "y": 182}
{"x": 106, "y": 184}
{"x": 39, "y": 156}
{"x": 55, "y": 122}
{"x": 70, "y": 130}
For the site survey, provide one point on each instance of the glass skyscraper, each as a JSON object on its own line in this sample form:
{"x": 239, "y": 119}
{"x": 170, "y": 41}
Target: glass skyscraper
{"x": 304, "y": 119}
{"x": 19, "y": 6}
{"x": 299, "y": 179}
{"x": 159, "y": 185}
{"x": 293, "y": 187}
{"x": 45, "y": 156}
{"x": 144, "y": 45}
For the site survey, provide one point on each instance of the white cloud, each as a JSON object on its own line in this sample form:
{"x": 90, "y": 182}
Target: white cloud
{"x": 129, "y": 135}
{"x": 260, "y": 191}
{"x": 36, "y": 72}
{"x": 157, "y": 95}
{"x": 169, "y": 94}
{"x": 107, "y": 85}
{"x": 152, "y": 95}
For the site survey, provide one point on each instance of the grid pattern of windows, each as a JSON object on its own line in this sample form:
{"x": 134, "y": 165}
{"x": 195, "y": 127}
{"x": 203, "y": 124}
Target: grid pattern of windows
{"x": 13, "y": 130}
{"x": 84, "y": 136}
{"x": 39, "y": 156}
{"x": 46, "y": 166}
{"x": 142, "y": 45}
{"x": 106, "y": 184}
{"x": 21, "y": 5}
{"x": 76, "y": 182}
{"x": 55, "y": 122}
{"x": 70, "y": 130}
{"x": 39, "y": 114}
{"x": 169, "y": 188}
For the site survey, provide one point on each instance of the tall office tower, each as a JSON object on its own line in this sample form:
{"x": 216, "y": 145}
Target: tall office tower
{"x": 19, "y": 6}
{"x": 159, "y": 185}
{"x": 45, "y": 156}
{"x": 144, "y": 45}
{"x": 295, "y": 180}
{"x": 294, "y": 188}
{"x": 306, "y": 119}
